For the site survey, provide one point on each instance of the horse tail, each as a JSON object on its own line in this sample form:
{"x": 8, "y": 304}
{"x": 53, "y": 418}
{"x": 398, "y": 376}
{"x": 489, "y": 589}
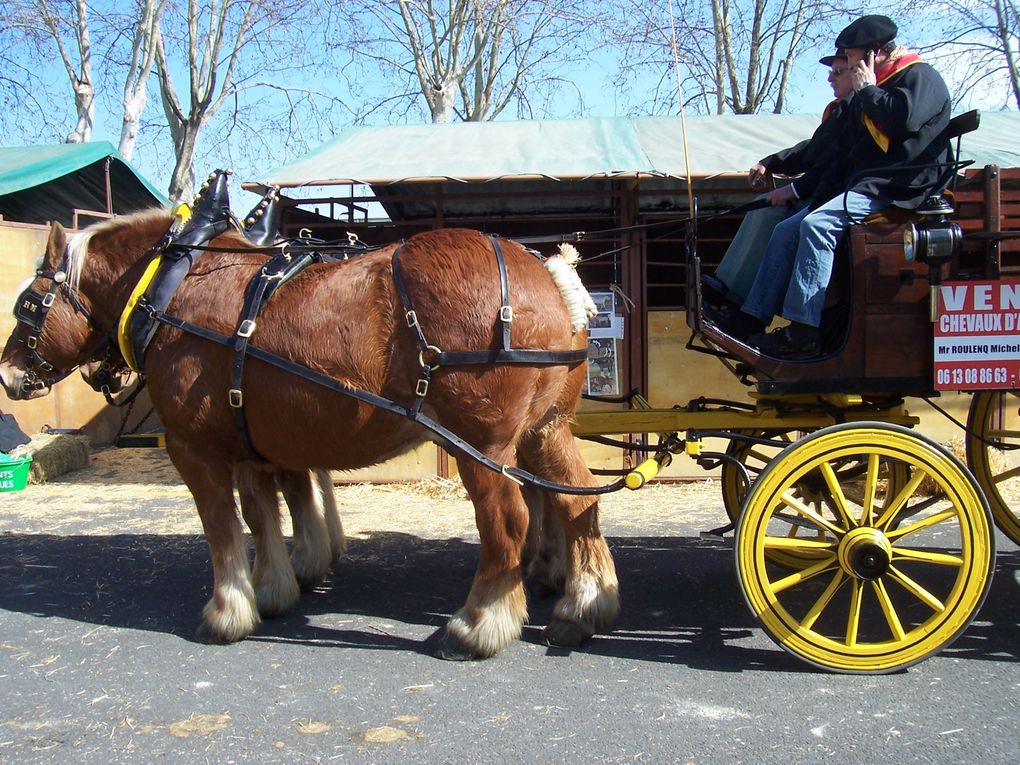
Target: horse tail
{"x": 563, "y": 269}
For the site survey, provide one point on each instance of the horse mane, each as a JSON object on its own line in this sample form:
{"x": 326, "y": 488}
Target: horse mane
{"x": 78, "y": 244}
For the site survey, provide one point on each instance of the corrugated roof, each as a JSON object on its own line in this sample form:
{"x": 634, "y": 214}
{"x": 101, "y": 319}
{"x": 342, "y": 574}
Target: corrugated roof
{"x": 601, "y": 147}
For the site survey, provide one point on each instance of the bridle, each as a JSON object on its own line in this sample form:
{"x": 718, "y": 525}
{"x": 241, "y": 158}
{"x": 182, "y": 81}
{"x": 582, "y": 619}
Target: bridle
{"x": 31, "y": 310}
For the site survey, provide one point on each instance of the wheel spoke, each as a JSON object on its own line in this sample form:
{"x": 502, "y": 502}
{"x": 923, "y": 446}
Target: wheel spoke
{"x": 798, "y": 544}
{"x": 802, "y": 576}
{"x": 1006, "y": 474}
{"x": 917, "y": 590}
{"x": 921, "y": 525}
{"x": 927, "y": 556}
{"x": 1001, "y": 434}
{"x": 901, "y": 500}
{"x": 823, "y": 600}
{"x": 888, "y": 609}
{"x": 853, "y": 621}
{"x": 870, "y": 483}
{"x": 811, "y": 514}
{"x": 838, "y": 503}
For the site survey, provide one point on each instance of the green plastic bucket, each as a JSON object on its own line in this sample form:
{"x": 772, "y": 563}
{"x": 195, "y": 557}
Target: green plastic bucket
{"x": 14, "y": 473}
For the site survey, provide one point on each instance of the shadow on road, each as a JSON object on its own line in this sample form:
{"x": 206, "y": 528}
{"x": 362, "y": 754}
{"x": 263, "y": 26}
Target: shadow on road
{"x": 681, "y": 600}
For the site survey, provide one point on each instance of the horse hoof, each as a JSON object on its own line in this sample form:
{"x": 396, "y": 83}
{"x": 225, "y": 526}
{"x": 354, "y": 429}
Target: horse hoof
{"x": 205, "y": 634}
{"x": 449, "y": 647}
{"x": 565, "y": 634}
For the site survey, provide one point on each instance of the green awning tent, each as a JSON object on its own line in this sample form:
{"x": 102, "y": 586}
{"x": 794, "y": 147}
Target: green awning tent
{"x": 600, "y": 147}
{"x": 45, "y": 183}
{"x": 537, "y": 156}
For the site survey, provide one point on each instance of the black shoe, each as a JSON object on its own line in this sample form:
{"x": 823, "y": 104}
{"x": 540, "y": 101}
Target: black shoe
{"x": 796, "y": 341}
{"x": 734, "y": 322}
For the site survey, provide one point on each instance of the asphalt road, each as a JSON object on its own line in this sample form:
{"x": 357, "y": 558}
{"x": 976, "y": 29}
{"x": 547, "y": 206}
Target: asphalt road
{"x": 98, "y": 665}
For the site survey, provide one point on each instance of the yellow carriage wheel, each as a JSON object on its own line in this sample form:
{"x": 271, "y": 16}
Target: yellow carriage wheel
{"x": 892, "y": 476}
{"x": 877, "y": 588}
{"x": 993, "y": 453}
{"x": 754, "y": 457}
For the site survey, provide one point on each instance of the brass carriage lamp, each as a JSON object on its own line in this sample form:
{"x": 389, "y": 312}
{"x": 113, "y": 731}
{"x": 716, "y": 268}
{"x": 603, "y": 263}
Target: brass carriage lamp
{"x": 934, "y": 240}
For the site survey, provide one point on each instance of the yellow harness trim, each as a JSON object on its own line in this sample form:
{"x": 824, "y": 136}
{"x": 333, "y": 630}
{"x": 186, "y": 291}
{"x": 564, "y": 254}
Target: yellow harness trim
{"x": 181, "y": 214}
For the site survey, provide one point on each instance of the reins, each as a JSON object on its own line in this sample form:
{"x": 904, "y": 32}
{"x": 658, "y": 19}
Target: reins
{"x": 580, "y": 236}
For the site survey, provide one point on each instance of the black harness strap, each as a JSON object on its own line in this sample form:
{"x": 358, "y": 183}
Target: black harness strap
{"x": 413, "y": 412}
{"x": 273, "y": 275}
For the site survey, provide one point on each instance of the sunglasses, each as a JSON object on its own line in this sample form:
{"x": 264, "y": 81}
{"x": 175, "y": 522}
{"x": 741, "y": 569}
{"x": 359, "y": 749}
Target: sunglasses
{"x": 837, "y": 72}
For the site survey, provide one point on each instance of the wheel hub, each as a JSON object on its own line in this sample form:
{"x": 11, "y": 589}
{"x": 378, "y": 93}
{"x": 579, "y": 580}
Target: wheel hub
{"x": 865, "y": 553}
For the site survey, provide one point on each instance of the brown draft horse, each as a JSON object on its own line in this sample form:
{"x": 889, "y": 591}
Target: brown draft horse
{"x": 345, "y": 321}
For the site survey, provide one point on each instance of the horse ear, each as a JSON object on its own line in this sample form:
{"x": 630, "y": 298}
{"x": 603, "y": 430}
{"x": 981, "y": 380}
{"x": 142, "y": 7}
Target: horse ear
{"x": 57, "y": 242}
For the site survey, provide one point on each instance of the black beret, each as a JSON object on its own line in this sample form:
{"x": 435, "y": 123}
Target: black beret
{"x": 867, "y": 32}
{"x": 830, "y": 60}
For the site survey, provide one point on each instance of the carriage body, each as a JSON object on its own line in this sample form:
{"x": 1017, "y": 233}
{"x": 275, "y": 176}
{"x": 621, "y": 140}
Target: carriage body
{"x": 824, "y": 457}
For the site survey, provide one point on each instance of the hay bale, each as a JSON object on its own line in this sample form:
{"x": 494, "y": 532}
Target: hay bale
{"x": 997, "y": 461}
{"x": 54, "y": 454}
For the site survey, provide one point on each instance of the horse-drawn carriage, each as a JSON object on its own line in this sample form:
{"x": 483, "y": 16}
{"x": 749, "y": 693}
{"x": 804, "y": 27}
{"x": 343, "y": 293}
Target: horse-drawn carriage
{"x": 861, "y": 545}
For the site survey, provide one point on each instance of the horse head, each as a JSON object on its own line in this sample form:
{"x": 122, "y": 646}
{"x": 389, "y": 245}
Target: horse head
{"x": 55, "y": 330}
{"x": 68, "y": 313}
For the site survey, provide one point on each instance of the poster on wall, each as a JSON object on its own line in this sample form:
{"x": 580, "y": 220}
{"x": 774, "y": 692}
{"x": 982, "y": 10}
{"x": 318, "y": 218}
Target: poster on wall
{"x": 604, "y": 329}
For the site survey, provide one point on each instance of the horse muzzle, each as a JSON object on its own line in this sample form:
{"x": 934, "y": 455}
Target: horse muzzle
{"x": 20, "y": 384}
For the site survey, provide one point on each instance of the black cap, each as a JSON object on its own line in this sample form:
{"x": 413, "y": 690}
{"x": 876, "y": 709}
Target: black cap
{"x": 867, "y": 32}
{"x": 830, "y": 60}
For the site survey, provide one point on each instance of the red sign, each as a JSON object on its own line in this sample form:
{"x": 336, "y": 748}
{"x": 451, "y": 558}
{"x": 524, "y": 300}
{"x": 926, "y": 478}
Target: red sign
{"x": 977, "y": 335}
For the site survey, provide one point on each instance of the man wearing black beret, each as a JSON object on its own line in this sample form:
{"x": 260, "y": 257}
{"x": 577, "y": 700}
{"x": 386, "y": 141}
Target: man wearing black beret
{"x": 899, "y": 112}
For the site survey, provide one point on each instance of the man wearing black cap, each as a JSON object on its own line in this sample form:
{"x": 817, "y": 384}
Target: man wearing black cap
{"x": 899, "y": 111}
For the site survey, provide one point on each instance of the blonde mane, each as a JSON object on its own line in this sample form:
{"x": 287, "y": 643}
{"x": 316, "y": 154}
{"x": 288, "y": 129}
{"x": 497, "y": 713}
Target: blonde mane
{"x": 78, "y": 244}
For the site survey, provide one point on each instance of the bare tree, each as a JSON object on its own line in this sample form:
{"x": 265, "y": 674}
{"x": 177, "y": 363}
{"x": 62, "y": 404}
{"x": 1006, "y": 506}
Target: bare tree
{"x": 67, "y": 28}
{"x": 733, "y": 55}
{"x": 143, "y": 55}
{"x": 977, "y": 46}
{"x": 230, "y": 49}
{"x": 468, "y": 59}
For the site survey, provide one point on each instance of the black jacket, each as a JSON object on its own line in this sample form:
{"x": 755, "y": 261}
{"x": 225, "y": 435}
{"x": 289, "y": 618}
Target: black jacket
{"x": 817, "y": 160}
{"x": 909, "y": 113}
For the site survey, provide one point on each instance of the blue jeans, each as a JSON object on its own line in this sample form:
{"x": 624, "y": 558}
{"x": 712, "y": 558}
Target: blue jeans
{"x": 797, "y": 264}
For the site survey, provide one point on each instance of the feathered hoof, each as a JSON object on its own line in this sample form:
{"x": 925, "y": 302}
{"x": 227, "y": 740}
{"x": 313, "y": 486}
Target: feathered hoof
{"x": 565, "y": 633}
{"x": 449, "y": 647}
{"x": 309, "y": 581}
{"x": 205, "y": 634}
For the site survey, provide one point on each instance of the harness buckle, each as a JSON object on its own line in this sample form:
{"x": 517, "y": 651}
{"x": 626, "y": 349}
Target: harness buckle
{"x": 247, "y": 328}
{"x": 422, "y": 388}
{"x": 236, "y": 397}
{"x": 412, "y": 319}
{"x": 45, "y": 366}
{"x": 32, "y": 342}
{"x": 506, "y": 313}
{"x": 48, "y": 299}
